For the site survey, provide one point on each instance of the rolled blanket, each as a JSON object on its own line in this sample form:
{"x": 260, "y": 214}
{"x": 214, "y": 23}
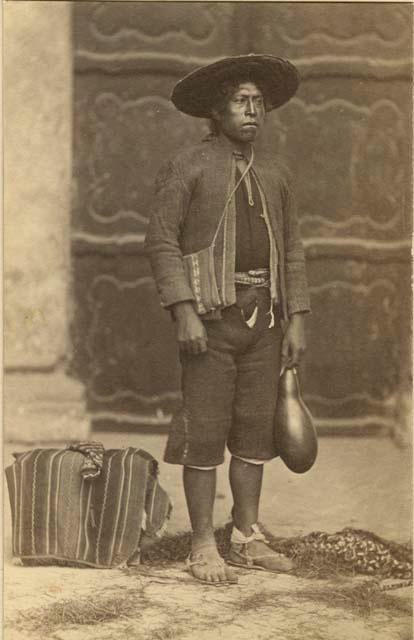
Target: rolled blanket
{"x": 63, "y": 511}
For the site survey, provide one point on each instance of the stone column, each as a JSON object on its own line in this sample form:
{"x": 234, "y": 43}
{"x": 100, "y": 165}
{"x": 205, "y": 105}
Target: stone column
{"x": 41, "y": 402}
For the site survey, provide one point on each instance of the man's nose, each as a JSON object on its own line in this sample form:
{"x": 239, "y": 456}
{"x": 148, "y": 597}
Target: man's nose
{"x": 251, "y": 107}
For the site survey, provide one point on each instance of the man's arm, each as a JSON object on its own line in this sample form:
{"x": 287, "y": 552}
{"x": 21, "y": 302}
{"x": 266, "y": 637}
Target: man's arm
{"x": 171, "y": 203}
{"x": 296, "y": 280}
{"x": 191, "y": 334}
{"x": 294, "y": 341}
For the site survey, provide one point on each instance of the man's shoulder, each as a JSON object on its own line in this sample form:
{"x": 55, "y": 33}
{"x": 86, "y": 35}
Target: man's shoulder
{"x": 192, "y": 154}
{"x": 186, "y": 165}
{"x": 276, "y": 165}
{"x": 274, "y": 160}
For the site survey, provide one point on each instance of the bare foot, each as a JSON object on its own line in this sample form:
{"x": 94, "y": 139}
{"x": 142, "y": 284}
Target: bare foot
{"x": 206, "y": 565}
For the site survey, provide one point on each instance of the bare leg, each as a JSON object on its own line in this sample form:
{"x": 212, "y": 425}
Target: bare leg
{"x": 200, "y": 491}
{"x": 246, "y": 486}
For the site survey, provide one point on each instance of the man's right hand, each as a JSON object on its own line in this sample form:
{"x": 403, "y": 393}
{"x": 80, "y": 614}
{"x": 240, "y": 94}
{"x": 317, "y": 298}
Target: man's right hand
{"x": 191, "y": 334}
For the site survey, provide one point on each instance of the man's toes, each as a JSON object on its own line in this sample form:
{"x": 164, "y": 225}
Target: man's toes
{"x": 217, "y": 576}
{"x": 208, "y": 566}
{"x": 200, "y": 573}
{"x": 209, "y": 575}
{"x": 221, "y": 575}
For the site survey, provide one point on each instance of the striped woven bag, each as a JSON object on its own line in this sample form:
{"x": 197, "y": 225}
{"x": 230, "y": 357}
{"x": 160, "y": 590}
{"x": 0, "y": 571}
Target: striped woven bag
{"x": 59, "y": 516}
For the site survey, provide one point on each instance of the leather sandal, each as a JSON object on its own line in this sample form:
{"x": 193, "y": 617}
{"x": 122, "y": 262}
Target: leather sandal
{"x": 197, "y": 558}
{"x": 240, "y": 554}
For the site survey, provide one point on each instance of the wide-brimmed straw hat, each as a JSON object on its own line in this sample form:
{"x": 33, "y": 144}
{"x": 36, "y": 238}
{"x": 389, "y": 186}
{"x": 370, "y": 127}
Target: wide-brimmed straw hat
{"x": 197, "y": 92}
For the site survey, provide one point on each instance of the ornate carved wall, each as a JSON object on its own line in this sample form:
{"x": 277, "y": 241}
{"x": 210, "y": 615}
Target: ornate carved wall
{"x": 346, "y": 135}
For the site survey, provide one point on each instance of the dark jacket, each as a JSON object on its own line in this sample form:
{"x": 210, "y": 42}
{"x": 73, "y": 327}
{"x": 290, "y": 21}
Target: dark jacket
{"x": 187, "y": 213}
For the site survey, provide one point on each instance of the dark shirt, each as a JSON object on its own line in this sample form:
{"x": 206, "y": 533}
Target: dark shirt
{"x": 252, "y": 239}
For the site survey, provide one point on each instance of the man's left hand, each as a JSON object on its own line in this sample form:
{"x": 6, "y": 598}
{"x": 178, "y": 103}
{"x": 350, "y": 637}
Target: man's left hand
{"x": 294, "y": 341}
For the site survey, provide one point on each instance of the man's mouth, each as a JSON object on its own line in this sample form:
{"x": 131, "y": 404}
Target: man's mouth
{"x": 250, "y": 124}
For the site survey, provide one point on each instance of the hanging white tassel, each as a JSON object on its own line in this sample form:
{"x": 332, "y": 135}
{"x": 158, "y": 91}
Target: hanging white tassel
{"x": 272, "y": 316}
{"x": 249, "y": 189}
{"x": 253, "y": 318}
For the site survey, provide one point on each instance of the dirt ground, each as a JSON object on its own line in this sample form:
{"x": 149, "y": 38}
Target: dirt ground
{"x": 359, "y": 482}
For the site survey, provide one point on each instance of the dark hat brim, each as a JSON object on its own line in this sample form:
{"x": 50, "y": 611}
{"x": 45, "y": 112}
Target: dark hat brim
{"x": 197, "y": 92}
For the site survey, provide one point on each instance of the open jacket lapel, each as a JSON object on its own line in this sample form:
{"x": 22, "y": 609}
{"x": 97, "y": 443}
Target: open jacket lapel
{"x": 222, "y": 176}
{"x": 273, "y": 199}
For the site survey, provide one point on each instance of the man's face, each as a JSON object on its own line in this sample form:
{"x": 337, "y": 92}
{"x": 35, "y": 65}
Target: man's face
{"x": 244, "y": 113}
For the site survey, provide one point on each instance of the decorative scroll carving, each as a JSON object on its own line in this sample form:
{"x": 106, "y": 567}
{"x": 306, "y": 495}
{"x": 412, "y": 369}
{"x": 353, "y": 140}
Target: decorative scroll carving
{"x": 173, "y": 64}
{"x": 142, "y": 62}
{"x": 355, "y": 67}
{"x": 381, "y": 26}
{"x": 353, "y": 178}
{"x": 355, "y": 406}
{"x": 313, "y": 29}
{"x": 133, "y": 361}
{"x": 358, "y": 249}
{"x": 200, "y": 28}
{"x": 353, "y": 342}
{"x": 141, "y": 20}
{"x": 378, "y": 165}
{"x": 130, "y": 140}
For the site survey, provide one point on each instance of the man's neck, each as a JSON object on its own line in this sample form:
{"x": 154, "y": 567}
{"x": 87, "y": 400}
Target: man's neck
{"x": 243, "y": 147}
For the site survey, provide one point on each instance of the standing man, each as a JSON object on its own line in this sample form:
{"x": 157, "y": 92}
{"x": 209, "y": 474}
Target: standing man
{"x": 224, "y": 246}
